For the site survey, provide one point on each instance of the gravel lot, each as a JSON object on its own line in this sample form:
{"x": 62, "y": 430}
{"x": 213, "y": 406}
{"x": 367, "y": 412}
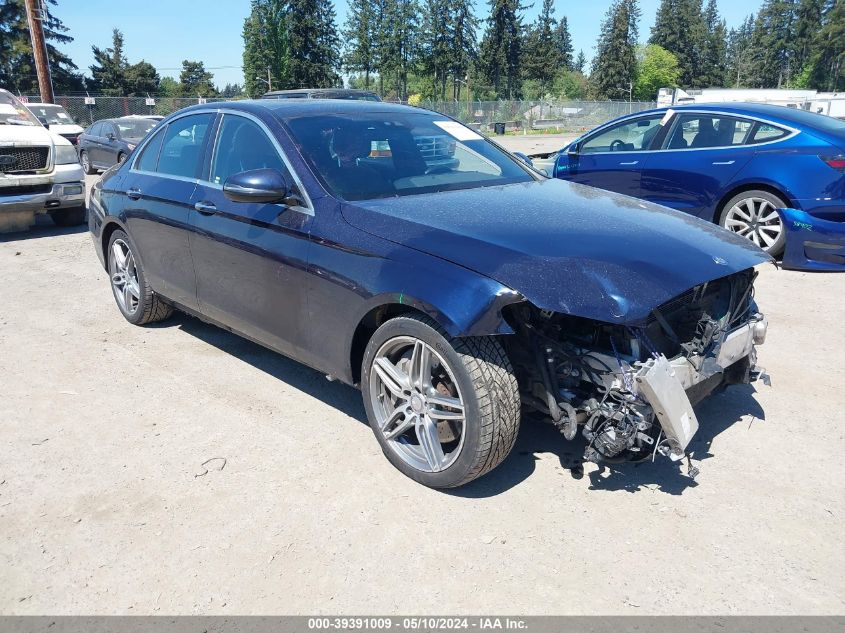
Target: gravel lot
{"x": 106, "y": 507}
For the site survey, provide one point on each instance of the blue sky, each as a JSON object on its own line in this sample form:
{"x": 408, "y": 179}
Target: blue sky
{"x": 164, "y": 32}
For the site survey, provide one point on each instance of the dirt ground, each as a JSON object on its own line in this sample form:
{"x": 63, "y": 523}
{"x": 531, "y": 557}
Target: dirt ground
{"x": 109, "y": 503}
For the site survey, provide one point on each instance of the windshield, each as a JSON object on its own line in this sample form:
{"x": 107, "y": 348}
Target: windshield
{"x": 384, "y": 154}
{"x": 53, "y": 114}
{"x": 13, "y": 112}
{"x": 134, "y": 128}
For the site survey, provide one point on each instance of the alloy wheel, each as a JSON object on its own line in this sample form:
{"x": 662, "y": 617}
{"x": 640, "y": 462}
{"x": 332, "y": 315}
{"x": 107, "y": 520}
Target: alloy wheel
{"x": 86, "y": 166}
{"x": 124, "y": 277}
{"x": 417, "y": 403}
{"x": 755, "y": 219}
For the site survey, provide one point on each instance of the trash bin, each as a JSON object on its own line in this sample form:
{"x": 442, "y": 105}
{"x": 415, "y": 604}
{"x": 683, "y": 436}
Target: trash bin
{"x": 499, "y": 128}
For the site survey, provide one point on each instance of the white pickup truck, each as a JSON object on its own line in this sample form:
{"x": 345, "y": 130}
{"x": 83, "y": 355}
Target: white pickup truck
{"x": 39, "y": 171}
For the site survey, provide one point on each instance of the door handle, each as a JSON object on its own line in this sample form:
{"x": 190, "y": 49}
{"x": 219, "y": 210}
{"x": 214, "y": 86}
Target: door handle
{"x": 724, "y": 162}
{"x": 206, "y": 208}
{"x": 633, "y": 162}
{"x": 133, "y": 194}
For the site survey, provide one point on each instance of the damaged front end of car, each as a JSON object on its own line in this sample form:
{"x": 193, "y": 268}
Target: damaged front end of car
{"x": 630, "y": 388}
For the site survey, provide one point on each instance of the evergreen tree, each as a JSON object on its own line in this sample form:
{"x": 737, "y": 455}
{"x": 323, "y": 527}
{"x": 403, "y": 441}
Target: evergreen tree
{"x": 714, "y": 53}
{"x": 580, "y": 62}
{"x": 266, "y": 47}
{"x": 740, "y": 55}
{"x": 680, "y": 28}
{"x": 314, "y": 44}
{"x": 772, "y": 44}
{"x": 615, "y": 64}
{"x": 464, "y": 27}
{"x": 827, "y": 65}
{"x": 141, "y": 79}
{"x": 232, "y": 90}
{"x": 17, "y": 65}
{"x": 500, "y": 56}
{"x": 396, "y": 44}
{"x": 563, "y": 40}
{"x": 109, "y": 68}
{"x": 436, "y": 50}
{"x": 808, "y": 23}
{"x": 542, "y": 57}
{"x": 195, "y": 80}
{"x": 359, "y": 35}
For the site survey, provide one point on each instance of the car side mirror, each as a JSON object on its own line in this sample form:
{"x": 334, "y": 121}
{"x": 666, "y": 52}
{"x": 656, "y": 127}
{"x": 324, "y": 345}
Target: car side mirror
{"x": 574, "y": 149}
{"x": 524, "y": 158}
{"x": 257, "y": 185}
{"x": 110, "y": 136}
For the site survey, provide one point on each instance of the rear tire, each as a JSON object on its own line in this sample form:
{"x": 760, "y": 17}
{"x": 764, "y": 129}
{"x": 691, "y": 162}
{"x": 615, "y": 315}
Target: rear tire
{"x": 85, "y": 161}
{"x": 68, "y": 217}
{"x": 135, "y": 299}
{"x": 468, "y": 438}
{"x": 751, "y": 214}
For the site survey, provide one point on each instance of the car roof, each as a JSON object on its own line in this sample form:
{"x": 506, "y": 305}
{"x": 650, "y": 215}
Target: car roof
{"x": 318, "y": 91}
{"x": 292, "y": 108}
{"x": 783, "y": 114}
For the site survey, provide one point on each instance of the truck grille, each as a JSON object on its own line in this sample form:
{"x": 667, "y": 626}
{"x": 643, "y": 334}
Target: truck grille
{"x": 435, "y": 147}
{"x": 14, "y": 160}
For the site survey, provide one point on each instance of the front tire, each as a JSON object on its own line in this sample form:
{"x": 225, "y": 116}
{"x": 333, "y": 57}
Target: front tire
{"x": 135, "y": 299}
{"x": 752, "y": 214}
{"x": 68, "y": 217}
{"x": 444, "y": 410}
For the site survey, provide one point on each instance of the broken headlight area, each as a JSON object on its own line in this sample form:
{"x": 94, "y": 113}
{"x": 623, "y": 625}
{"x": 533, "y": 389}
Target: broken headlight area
{"x": 630, "y": 389}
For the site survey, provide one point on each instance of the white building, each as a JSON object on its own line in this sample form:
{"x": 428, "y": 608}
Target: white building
{"x": 830, "y": 103}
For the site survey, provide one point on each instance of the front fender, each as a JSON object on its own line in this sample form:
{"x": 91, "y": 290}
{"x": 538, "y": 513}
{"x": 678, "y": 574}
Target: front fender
{"x": 357, "y": 275}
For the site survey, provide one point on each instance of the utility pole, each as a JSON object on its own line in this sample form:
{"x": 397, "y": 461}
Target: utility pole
{"x": 35, "y": 18}
{"x": 269, "y": 81}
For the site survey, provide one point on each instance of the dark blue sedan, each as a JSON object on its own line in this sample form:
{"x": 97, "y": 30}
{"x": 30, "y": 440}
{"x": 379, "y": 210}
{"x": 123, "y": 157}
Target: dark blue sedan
{"x": 456, "y": 294}
{"x": 772, "y": 174}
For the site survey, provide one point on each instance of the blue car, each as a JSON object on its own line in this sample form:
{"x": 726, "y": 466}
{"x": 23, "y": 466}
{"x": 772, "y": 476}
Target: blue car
{"x": 771, "y": 174}
{"x": 454, "y": 296}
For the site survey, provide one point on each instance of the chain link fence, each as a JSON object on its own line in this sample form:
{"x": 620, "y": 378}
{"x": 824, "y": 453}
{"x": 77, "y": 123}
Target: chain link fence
{"x": 86, "y": 110}
{"x": 551, "y": 116}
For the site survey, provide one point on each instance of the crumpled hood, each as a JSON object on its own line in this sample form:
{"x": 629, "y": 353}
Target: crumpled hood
{"x": 565, "y": 247}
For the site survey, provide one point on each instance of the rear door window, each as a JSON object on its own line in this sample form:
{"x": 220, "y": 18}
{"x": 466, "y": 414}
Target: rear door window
{"x": 702, "y": 131}
{"x": 181, "y": 149}
{"x": 764, "y": 133}
{"x": 96, "y": 129}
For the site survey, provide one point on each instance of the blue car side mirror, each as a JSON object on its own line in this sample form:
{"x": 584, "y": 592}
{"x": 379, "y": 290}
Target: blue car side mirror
{"x": 524, "y": 158}
{"x": 256, "y": 185}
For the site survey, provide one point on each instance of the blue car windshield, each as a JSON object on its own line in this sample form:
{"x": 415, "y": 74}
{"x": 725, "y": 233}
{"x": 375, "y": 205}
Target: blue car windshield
{"x": 385, "y": 154}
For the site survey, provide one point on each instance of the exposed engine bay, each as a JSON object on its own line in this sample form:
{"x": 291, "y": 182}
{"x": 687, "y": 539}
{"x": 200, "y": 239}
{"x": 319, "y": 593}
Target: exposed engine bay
{"x": 630, "y": 389}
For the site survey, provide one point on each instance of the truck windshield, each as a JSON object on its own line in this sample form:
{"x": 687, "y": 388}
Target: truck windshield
{"x": 13, "y": 112}
{"x": 53, "y": 114}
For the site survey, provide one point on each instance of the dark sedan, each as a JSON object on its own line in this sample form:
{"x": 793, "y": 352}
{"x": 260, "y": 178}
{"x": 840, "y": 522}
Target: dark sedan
{"x": 455, "y": 297}
{"x": 109, "y": 141}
